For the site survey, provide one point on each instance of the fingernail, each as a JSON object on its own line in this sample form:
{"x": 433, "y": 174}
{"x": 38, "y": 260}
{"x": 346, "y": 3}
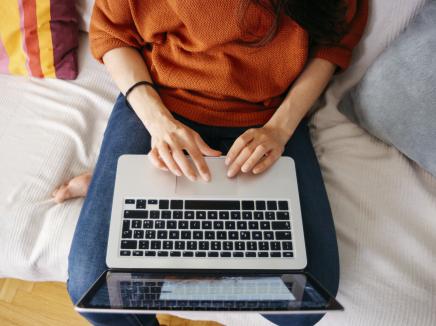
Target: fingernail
{"x": 207, "y": 177}
{"x": 230, "y": 174}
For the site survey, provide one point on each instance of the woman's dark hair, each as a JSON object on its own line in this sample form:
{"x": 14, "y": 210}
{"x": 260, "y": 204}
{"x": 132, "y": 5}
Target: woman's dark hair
{"x": 324, "y": 20}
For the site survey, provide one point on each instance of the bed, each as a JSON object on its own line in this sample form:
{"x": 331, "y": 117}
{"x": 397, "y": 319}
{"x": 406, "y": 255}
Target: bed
{"x": 384, "y": 205}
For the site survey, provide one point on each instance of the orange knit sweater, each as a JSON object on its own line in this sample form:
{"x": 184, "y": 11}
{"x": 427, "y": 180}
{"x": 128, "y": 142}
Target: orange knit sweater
{"x": 192, "y": 50}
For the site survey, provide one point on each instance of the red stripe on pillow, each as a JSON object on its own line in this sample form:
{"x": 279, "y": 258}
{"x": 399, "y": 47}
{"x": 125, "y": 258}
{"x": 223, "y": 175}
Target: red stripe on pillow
{"x": 31, "y": 37}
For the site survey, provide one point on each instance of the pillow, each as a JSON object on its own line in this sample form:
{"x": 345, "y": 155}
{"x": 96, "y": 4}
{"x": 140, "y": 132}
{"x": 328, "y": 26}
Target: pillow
{"x": 38, "y": 38}
{"x": 396, "y": 99}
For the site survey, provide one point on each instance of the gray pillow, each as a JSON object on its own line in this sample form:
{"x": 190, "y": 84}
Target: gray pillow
{"x": 396, "y": 99}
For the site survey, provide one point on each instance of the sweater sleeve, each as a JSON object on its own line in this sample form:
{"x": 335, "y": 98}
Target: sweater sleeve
{"x": 340, "y": 54}
{"x": 112, "y": 26}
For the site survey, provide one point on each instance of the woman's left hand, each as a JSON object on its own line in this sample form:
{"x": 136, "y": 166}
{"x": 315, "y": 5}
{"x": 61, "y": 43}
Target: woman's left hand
{"x": 256, "y": 150}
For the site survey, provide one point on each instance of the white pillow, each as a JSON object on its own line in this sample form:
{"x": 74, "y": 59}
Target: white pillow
{"x": 84, "y": 10}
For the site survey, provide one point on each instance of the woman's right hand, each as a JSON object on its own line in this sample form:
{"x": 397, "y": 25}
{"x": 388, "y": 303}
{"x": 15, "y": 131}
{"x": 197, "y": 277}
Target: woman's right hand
{"x": 168, "y": 140}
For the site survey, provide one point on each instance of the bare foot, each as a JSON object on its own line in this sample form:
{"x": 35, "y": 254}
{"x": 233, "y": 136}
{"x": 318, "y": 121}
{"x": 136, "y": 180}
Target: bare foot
{"x": 76, "y": 187}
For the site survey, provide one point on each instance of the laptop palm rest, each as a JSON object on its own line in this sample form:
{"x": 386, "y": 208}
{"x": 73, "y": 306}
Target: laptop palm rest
{"x": 219, "y": 184}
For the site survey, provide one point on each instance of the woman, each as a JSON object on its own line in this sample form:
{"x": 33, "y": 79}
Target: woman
{"x": 228, "y": 77}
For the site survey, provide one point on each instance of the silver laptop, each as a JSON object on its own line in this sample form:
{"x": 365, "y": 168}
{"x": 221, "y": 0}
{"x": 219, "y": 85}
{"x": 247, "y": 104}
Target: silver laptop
{"x": 162, "y": 221}
{"x": 232, "y": 245}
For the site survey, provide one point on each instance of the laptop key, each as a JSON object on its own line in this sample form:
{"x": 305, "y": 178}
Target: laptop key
{"x": 174, "y": 235}
{"x": 203, "y": 245}
{"x": 251, "y": 245}
{"x": 238, "y": 254}
{"x": 200, "y": 254}
{"x": 206, "y": 225}
{"x": 179, "y": 245}
{"x": 283, "y": 235}
{"x": 162, "y": 253}
{"x": 247, "y": 205}
{"x": 198, "y": 235}
{"x": 260, "y": 205}
{"x": 280, "y": 225}
{"x": 221, "y": 235}
{"x": 254, "y": 225}
{"x": 138, "y": 253}
{"x": 164, "y": 204}
{"x": 160, "y": 224}
{"x": 140, "y": 204}
{"x": 209, "y": 235}
{"x": 218, "y": 225}
{"x": 235, "y": 215}
{"x": 262, "y": 254}
{"x": 288, "y": 254}
{"x": 263, "y": 245}
{"x": 258, "y": 215}
{"x": 283, "y": 205}
{"x": 136, "y": 224}
{"x": 167, "y": 245}
{"x": 154, "y": 214}
{"x": 223, "y": 215}
{"x": 150, "y": 253}
{"x": 148, "y": 224}
{"x": 230, "y": 225}
{"x": 126, "y": 225}
{"x": 176, "y": 204}
{"x": 162, "y": 234}
{"x": 129, "y": 201}
{"x": 200, "y": 215}
{"x": 171, "y": 224}
{"x": 127, "y": 234}
{"x": 250, "y": 254}
{"x": 287, "y": 245}
{"x": 155, "y": 245}
{"x": 183, "y": 224}
{"x": 177, "y": 215}
{"x": 175, "y": 253}
{"x": 275, "y": 254}
{"x": 152, "y": 201}
{"x": 268, "y": 235}
{"x": 212, "y": 215}
{"x": 144, "y": 244}
{"x": 191, "y": 245}
{"x": 138, "y": 234}
{"x": 275, "y": 246}
{"x": 244, "y": 235}
{"x": 195, "y": 225}
{"x": 128, "y": 244}
{"x": 135, "y": 214}
{"x": 125, "y": 253}
{"x": 189, "y": 215}
{"x": 166, "y": 215}
{"x": 284, "y": 216}
{"x": 247, "y": 216}
{"x": 265, "y": 225}
{"x": 233, "y": 235}
{"x": 270, "y": 216}
{"x": 212, "y": 254}
{"x": 242, "y": 225}
{"x": 239, "y": 245}
{"x": 215, "y": 245}
{"x": 188, "y": 254}
{"x": 186, "y": 235}
{"x": 227, "y": 245}
{"x": 271, "y": 205}
{"x": 256, "y": 235}
{"x": 225, "y": 254}
{"x": 150, "y": 234}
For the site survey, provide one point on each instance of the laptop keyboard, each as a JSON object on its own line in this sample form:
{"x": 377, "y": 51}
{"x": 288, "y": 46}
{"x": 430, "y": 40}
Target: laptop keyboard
{"x": 206, "y": 228}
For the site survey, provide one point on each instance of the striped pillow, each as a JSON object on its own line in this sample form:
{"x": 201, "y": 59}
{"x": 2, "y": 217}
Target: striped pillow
{"x": 38, "y": 38}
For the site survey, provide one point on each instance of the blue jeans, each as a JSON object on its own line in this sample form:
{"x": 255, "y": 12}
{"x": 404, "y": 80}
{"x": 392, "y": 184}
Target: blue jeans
{"x": 125, "y": 134}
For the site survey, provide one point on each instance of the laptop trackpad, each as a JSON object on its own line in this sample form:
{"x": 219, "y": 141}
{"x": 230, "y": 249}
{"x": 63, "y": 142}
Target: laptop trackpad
{"x": 219, "y": 184}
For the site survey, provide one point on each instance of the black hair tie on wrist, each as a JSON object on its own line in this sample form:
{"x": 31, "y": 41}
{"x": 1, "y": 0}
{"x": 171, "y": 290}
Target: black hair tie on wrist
{"x": 143, "y": 82}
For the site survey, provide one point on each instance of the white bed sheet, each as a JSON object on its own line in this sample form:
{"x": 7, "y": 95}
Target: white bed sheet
{"x": 384, "y": 205}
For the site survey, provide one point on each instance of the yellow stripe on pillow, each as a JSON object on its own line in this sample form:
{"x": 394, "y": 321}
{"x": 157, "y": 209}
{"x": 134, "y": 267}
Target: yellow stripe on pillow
{"x": 13, "y": 40}
{"x": 45, "y": 38}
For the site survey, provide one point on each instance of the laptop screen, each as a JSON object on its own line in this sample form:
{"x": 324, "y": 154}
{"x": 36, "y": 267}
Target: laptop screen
{"x": 164, "y": 292}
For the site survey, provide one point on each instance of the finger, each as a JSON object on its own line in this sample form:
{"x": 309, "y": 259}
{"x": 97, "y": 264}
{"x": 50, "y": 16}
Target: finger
{"x": 205, "y": 148}
{"x": 266, "y": 162}
{"x": 200, "y": 163}
{"x": 257, "y": 155}
{"x": 238, "y": 145}
{"x": 235, "y": 167}
{"x": 156, "y": 160}
{"x": 168, "y": 159}
{"x": 185, "y": 165}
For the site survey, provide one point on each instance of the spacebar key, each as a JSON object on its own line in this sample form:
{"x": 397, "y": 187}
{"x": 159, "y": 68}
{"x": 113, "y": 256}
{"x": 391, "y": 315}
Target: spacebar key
{"x": 213, "y": 204}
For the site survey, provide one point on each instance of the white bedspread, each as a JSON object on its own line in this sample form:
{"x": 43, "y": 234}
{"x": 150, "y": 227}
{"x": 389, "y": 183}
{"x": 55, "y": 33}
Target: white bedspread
{"x": 384, "y": 206}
